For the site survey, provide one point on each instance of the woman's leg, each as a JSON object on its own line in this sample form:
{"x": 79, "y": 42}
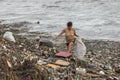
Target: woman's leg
{"x": 69, "y": 48}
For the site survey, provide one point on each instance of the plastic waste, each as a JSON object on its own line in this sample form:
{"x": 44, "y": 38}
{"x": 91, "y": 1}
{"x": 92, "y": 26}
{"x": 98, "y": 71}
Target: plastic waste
{"x": 102, "y": 72}
{"x": 80, "y": 49}
{"x": 63, "y": 54}
{"x": 53, "y": 66}
{"x": 81, "y": 70}
{"x": 40, "y": 62}
{"x": 9, "y": 64}
{"x": 9, "y": 36}
{"x": 49, "y": 78}
{"x": 33, "y": 57}
{"x": 62, "y": 62}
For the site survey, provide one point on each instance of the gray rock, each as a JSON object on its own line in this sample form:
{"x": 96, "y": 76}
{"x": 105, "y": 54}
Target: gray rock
{"x": 46, "y": 43}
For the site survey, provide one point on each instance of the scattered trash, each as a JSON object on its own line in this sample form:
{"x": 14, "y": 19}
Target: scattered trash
{"x": 9, "y": 36}
{"x": 26, "y": 61}
{"x": 33, "y": 57}
{"x": 40, "y": 62}
{"x": 62, "y": 62}
{"x": 101, "y": 73}
{"x": 9, "y": 64}
{"x": 112, "y": 78}
{"x": 63, "y": 54}
{"x": 117, "y": 70}
{"x": 53, "y": 66}
{"x": 81, "y": 70}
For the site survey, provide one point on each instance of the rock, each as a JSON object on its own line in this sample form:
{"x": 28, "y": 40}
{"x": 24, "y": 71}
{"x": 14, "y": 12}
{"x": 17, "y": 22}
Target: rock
{"x": 46, "y": 43}
{"x": 9, "y": 36}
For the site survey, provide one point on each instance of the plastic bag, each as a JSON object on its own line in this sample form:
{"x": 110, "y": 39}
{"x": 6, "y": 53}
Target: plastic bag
{"x": 80, "y": 49}
{"x": 9, "y": 36}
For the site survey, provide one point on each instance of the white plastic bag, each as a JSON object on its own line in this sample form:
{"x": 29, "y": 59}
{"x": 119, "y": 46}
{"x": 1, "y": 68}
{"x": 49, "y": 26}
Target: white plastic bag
{"x": 80, "y": 49}
{"x": 9, "y": 36}
{"x": 81, "y": 70}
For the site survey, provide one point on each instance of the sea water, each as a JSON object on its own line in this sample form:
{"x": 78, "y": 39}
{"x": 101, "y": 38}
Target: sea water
{"x": 93, "y": 19}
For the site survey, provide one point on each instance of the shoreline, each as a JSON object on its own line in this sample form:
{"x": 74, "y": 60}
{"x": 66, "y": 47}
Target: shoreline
{"x": 101, "y": 60}
{"x": 22, "y": 29}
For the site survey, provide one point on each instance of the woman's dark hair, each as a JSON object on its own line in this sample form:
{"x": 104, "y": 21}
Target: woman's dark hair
{"x": 69, "y": 24}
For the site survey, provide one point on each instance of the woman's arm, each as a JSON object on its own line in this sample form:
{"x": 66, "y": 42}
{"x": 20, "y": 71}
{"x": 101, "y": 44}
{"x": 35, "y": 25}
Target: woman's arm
{"x": 75, "y": 33}
{"x": 63, "y": 31}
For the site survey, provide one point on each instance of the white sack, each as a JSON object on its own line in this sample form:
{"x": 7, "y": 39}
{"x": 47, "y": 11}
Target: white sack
{"x": 80, "y": 49}
{"x": 9, "y": 36}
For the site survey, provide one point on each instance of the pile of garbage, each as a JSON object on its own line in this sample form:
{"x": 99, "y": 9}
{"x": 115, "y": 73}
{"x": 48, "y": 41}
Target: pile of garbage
{"x": 16, "y": 61}
{"x": 22, "y": 60}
